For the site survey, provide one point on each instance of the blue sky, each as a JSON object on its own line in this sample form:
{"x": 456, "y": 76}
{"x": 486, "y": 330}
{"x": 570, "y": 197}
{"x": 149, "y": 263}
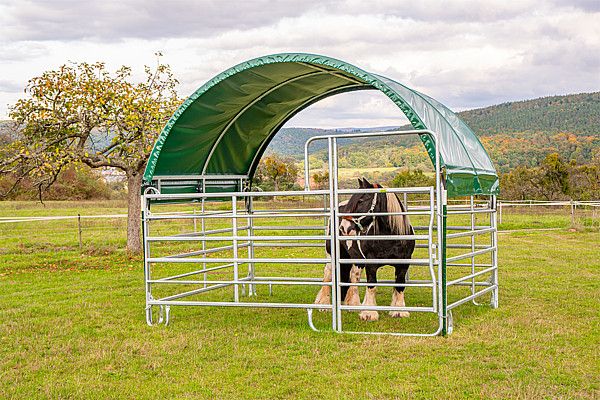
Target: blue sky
{"x": 466, "y": 54}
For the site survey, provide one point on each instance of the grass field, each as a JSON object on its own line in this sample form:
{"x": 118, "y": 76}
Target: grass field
{"x": 72, "y": 326}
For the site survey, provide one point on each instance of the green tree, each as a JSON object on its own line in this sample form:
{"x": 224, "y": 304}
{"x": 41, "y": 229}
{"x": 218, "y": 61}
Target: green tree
{"x": 555, "y": 177}
{"x": 82, "y": 113}
{"x": 415, "y": 177}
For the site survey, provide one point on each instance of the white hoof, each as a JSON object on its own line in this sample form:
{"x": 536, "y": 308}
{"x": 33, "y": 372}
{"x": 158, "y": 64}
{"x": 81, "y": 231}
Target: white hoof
{"x": 369, "y": 315}
{"x": 399, "y": 314}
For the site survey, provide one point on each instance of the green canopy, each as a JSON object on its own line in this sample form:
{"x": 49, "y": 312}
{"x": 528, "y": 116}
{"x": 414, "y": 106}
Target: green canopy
{"x": 225, "y": 126}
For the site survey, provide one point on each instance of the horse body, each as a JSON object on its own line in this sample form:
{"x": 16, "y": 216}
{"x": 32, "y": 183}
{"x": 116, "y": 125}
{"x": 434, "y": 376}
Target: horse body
{"x": 368, "y": 224}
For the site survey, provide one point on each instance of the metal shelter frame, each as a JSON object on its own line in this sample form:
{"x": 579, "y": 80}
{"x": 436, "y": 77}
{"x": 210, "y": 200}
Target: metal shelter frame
{"x": 231, "y": 270}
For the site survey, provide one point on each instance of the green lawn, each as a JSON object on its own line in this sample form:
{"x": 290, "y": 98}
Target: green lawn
{"x": 72, "y": 326}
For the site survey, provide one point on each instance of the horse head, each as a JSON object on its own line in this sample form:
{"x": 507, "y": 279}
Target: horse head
{"x": 364, "y": 204}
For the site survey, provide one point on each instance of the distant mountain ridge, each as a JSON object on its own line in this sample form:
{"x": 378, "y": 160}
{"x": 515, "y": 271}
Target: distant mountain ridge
{"x": 573, "y": 113}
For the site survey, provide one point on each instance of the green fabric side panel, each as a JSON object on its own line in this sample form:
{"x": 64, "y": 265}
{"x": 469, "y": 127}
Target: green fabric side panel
{"x": 195, "y": 131}
{"x": 466, "y": 184}
{"x": 239, "y": 145}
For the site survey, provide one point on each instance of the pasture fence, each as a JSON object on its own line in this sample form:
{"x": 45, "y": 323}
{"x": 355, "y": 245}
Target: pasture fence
{"x": 84, "y": 231}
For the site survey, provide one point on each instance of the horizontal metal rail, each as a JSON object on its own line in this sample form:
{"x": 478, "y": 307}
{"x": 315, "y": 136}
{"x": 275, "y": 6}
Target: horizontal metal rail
{"x": 273, "y": 244}
{"x": 210, "y": 232}
{"x": 240, "y": 260}
{"x": 386, "y": 308}
{"x": 470, "y": 276}
{"x": 470, "y": 233}
{"x": 159, "y": 302}
{"x": 454, "y": 246}
{"x": 471, "y": 254}
{"x": 449, "y": 228}
{"x": 468, "y": 265}
{"x": 192, "y": 196}
{"x": 421, "y": 189}
{"x": 241, "y": 281}
{"x": 386, "y": 284}
{"x": 384, "y": 214}
{"x": 471, "y": 297}
{"x": 151, "y": 217}
{"x": 230, "y": 238}
{"x": 289, "y": 228}
{"x": 485, "y": 211}
{"x": 207, "y": 251}
{"x": 386, "y": 261}
{"x": 384, "y": 237}
{"x": 195, "y": 291}
{"x": 169, "y": 278}
{"x": 287, "y": 278}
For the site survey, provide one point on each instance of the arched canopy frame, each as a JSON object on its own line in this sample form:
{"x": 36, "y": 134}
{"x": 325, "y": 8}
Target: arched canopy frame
{"x": 224, "y": 127}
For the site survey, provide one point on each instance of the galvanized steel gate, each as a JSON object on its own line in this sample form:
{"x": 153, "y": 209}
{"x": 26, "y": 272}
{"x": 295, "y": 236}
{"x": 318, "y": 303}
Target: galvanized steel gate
{"x": 216, "y": 248}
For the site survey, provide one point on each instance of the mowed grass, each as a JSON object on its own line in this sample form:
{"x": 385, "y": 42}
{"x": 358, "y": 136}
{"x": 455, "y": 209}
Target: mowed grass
{"x": 72, "y": 326}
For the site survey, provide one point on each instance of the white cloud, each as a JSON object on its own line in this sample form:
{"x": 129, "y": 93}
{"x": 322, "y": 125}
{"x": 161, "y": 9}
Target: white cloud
{"x": 466, "y": 53}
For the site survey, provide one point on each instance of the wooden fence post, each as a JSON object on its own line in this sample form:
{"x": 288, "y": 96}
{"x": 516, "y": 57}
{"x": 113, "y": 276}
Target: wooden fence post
{"x": 79, "y": 230}
{"x": 499, "y": 212}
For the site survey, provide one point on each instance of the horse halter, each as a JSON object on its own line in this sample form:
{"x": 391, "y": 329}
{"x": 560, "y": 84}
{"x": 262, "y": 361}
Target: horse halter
{"x": 357, "y": 221}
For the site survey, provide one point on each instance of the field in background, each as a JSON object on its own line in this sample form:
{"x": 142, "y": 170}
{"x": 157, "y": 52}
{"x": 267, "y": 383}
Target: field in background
{"x": 72, "y": 325}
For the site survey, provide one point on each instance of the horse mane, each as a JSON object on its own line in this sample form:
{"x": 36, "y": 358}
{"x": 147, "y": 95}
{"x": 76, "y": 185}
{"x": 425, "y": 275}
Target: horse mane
{"x": 399, "y": 224}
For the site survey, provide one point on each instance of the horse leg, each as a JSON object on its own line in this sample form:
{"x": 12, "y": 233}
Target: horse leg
{"x": 398, "y": 292}
{"x": 324, "y": 295}
{"x": 369, "y": 300}
{"x": 353, "y": 297}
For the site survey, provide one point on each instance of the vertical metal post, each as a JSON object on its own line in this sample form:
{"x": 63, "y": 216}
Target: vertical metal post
{"x": 203, "y": 227}
{"x": 250, "y": 224}
{"x": 431, "y": 248}
{"x": 494, "y": 278}
{"x": 333, "y": 232}
{"x": 472, "y": 204}
{"x": 441, "y": 201}
{"x": 443, "y": 264}
{"x": 306, "y": 167}
{"x": 236, "y": 289}
{"x": 336, "y": 201}
{"x": 146, "y": 255}
{"x": 572, "y": 213}
{"x": 79, "y": 231}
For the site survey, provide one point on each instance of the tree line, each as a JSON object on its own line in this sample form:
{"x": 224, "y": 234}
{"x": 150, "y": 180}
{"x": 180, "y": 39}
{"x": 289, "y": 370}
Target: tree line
{"x": 553, "y": 179}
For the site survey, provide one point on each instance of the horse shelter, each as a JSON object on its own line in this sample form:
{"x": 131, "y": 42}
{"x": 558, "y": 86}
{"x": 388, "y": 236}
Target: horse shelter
{"x": 211, "y": 240}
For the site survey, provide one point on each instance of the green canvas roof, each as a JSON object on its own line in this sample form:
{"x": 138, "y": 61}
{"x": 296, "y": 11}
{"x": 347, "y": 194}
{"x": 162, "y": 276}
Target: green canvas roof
{"x": 226, "y": 125}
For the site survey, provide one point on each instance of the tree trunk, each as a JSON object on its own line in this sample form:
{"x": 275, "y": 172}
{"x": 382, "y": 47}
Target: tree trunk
{"x": 134, "y": 187}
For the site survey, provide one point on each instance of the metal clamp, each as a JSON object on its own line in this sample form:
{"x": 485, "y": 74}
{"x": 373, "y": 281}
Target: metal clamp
{"x": 164, "y": 315}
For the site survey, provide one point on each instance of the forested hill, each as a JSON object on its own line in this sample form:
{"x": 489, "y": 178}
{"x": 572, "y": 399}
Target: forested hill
{"x": 515, "y": 133}
{"x": 574, "y": 113}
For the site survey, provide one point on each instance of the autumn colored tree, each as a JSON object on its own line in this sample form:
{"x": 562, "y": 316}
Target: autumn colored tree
{"x": 82, "y": 113}
{"x": 276, "y": 172}
{"x": 321, "y": 179}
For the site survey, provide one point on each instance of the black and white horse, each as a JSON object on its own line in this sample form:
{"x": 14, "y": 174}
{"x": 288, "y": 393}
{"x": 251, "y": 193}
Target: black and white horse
{"x": 366, "y": 204}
